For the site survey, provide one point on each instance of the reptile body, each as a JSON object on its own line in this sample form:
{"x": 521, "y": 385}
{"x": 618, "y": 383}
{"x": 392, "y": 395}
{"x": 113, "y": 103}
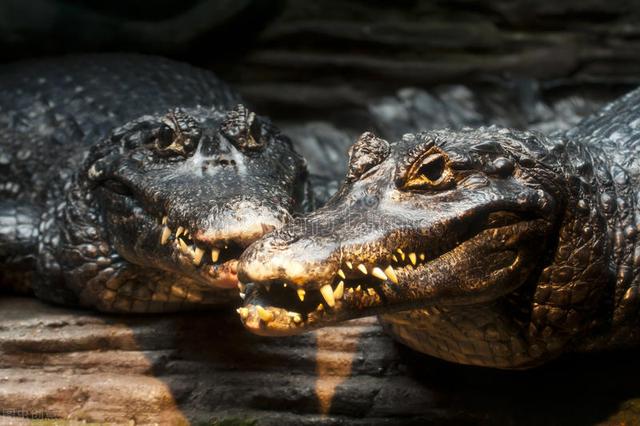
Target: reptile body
{"x": 132, "y": 183}
{"x": 490, "y": 247}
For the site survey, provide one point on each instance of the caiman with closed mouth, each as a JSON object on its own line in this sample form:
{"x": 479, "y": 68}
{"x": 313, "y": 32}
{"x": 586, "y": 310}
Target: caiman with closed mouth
{"x": 490, "y": 247}
{"x": 133, "y": 183}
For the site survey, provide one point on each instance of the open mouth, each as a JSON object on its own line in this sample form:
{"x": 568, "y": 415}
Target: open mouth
{"x": 367, "y": 285}
{"x": 216, "y": 261}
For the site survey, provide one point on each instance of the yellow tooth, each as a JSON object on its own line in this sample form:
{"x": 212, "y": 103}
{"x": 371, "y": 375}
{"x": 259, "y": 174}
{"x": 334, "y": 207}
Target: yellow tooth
{"x": 164, "y": 220}
{"x": 215, "y": 254}
{"x": 379, "y": 273}
{"x": 327, "y": 294}
{"x": 166, "y": 233}
{"x": 350, "y": 290}
{"x": 296, "y": 317}
{"x": 243, "y": 312}
{"x": 362, "y": 268}
{"x": 395, "y": 259}
{"x": 391, "y": 274}
{"x": 401, "y": 253}
{"x": 197, "y": 255}
{"x": 371, "y": 292}
{"x": 264, "y": 315}
{"x": 412, "y": 258}
{"x": 241, "y": 287}
{"x": 242, "y": 295}
{"x": 179, "y": 231}
{"x": 358, "y": 288}
{"x": 319, "y": 307}
{"x": 301, "y": 294}
{"x": 422, "y": 256}
{"x": 349, "y": 265}
{"x": 341, "y": 274}
{"x": 183, "y": 247}
{"x": 339, "y": 291}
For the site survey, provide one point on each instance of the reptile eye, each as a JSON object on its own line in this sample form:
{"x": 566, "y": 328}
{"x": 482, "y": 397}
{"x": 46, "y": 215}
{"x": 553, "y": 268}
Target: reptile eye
{"x": 117, "y": 187}
{"x": 431, "y": 171}
{"x": 164, "y": 136}
{"x": 178, "y": 134}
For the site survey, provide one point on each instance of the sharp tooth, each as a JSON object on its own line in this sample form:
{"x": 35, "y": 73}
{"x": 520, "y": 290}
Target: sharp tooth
{"x": 264, "y": 315}
{"x": 341, "y": 274}
{"x": 349, "y": 265}
{"x": 197, "y": 255}
{"x": 243, "y": 312}
{"x": 371, "y": 292}
{"x": 379, "y": 273}
{"x": 284, "y": 285}
{"x": 391, "y": 274}
{"x": 395, "y": 259}
{"x": 351, "y": 290}
{"x": 164, "y": 220}
{"x": 215, "y": 254}
{"x": 179, "y": 231}
{"x": 241, "y": 287}
{"x": 319, "y": 307}
{"x": 339, "y": 291}
{"x": 327, "y": 294}
{"x": 296, "y": 317}
{"x": 401, "y": 253}
{"x": 359, "y": 288}
{"x": 413, "y": 258}
{"x": 301, "y": 294}
{"x": 183, "y": 247}
{"x": 242, "y": 295}
{"x": 362, "y": 268}
{"x": 166, "y": 233}
{"x": 422, "y": 256}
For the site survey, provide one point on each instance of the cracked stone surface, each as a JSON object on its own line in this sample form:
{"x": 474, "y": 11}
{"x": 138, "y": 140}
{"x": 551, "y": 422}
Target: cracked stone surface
{"x": 203, "y": 368}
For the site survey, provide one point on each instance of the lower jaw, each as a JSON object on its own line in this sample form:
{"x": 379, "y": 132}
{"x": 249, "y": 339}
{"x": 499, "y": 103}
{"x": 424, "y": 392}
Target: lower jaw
{"x": 222, "y": 276}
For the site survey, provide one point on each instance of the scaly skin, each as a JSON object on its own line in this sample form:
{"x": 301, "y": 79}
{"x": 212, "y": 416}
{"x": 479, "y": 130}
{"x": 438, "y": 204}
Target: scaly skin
{"x": 105, "y": 157}
{"x": 506, "y": 248}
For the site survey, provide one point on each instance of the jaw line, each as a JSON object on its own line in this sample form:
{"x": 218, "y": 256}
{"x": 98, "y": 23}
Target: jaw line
{"x": 389, "y": 295}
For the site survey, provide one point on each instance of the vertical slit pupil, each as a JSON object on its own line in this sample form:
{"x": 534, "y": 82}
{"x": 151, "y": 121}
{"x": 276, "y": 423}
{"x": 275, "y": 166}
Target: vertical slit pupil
{"x": 433, "y": 169}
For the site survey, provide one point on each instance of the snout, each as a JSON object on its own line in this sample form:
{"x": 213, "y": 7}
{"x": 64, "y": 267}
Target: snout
{"x": 287, "y": 257}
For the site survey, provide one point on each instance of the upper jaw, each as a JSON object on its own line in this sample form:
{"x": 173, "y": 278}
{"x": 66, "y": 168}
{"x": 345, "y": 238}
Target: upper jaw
{"x": 394, "y": 279}
{"x": 211, "y": 256}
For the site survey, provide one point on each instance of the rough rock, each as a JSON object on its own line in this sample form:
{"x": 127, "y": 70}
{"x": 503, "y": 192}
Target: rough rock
{"x": 203, "y": 368}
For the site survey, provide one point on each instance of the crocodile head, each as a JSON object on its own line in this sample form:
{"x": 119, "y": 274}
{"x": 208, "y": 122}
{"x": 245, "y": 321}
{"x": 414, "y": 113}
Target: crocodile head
{"x": 184, "y": 193}
{"x": 438, "y": 218}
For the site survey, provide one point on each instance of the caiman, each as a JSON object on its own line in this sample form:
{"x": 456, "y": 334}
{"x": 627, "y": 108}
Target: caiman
{"x": 132, "y": 183}
{"x": 490, "y": 246}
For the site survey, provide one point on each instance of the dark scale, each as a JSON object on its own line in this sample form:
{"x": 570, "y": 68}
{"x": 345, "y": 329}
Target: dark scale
{"x": 132, "y": 183}
{"x": 490, "y": 247}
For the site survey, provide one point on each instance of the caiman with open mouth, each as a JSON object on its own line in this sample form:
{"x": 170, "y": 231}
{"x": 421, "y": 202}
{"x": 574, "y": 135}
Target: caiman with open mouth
{"x": 133, "y": 183}
{"x": 489, "y": 247}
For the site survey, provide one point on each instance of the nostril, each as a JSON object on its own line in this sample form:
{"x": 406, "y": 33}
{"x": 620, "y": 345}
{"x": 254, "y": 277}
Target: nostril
{"x": 224, "y": 162}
